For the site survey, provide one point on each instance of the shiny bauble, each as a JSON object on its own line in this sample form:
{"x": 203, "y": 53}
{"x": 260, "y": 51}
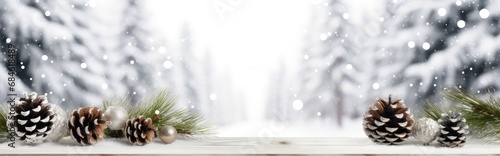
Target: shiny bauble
{"x": 168, "y": 134}
{"x": 116, "y": 117}
{"x": 59, "y": 129}
{"x": 425, "y": 130}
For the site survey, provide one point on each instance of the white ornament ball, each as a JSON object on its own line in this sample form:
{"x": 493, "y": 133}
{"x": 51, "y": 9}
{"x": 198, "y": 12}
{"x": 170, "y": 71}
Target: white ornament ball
{"x": 59, "y": 128}
{"x": 116, "y": 117}
{"x": 425, "y": 130}
{"x": 168, "y": 134}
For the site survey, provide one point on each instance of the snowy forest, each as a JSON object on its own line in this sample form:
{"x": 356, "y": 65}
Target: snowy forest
{"x": 254, "y": 66}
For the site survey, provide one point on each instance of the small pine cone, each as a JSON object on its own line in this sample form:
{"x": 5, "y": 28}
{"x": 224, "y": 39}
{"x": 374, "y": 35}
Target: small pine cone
{"x": 33, "y": 119}
{"x": 388, "y": 122}
{"x": 454, "y": 130}
{"x": 86, "y": 125}
{"x": 140, "y": 130}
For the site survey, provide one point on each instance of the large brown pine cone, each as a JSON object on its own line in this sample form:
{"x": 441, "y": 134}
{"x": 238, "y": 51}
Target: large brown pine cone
{"x": 140, "y": 130}
{"x": 86, "y": 125}
{"x": 388, "y": 122}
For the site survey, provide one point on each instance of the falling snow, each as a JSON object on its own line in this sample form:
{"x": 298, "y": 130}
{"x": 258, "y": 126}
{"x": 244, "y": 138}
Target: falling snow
{"x": 442, "y": 12}
{"x": 162, "y": 50}
{"x": 45, "y": 57}
{"x": 484, "y": 13}
{"x": 348, "y": 66}
{"x": 297, "y": 104}
{"x": 345, "y": 16}
{"x": 334, "y": 54}
{"x": 323, "y": 36}
{"x": 213, "y": 97}
{"x": 426, "y": 46}
{"x": 83, "y": 65}
{"x": 104, "y": 86}
{"x": 461, "y": 24}
{"x": 168, "y": 64}
{"x": 411, "y": 44}
{"x": 376, "y": 85}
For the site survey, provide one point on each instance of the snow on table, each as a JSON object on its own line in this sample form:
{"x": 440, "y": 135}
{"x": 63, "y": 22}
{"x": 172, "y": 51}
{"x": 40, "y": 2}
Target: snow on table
{"x": 239, "y": 145}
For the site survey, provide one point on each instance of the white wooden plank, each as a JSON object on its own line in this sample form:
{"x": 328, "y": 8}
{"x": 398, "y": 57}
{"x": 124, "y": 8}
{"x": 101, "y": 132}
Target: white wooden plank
{"x": 233, "y": 146}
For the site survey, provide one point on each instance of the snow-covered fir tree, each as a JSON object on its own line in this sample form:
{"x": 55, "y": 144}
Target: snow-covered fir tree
{"x": 60, "y": 49}
{"x": 330, "y": 72}
{"x": 280, "y": 95}
{"x": 429, "y": 47}
{"x": 190, "y": 75}
{"x": 78, "y": 55}
{"x": 134, "y": 48}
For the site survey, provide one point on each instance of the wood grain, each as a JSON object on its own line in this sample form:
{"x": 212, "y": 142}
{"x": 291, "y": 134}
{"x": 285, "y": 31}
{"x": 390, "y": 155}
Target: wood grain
{"x": 237, "y": 146}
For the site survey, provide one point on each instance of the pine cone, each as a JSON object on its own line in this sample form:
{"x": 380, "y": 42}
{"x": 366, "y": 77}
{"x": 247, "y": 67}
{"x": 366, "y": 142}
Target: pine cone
{"x": 454, "y": 130}
{"x": 86, "y": 125}
{"x": 140, "y": 130}
{"x": 33, "y": 119}
{"x": 388, "y": 122}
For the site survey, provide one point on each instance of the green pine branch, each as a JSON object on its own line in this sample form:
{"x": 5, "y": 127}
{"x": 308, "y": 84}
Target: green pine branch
{"x": 483, "y": 116}
{"x": 432, "y": 110}
{"x": 160, "y": 107}
{"x": 3, "y": 122}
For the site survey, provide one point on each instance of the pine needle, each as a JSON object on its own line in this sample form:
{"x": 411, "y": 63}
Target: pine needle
{"x": 161, "y": 102}
{"x": 483, "y": 116}
{"x": 432, "y": 110}
{"x": 3, "y": 122}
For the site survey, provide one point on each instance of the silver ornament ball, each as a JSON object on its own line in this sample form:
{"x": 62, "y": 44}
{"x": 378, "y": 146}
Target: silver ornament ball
{"x": 425, "y": 130}
{"x": 59, "y": 128}
{"x": 168, "y": 134}
{"x": 116, "y": 117}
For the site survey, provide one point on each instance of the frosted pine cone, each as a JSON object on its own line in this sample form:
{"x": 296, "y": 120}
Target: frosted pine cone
{"x": 86, "y": 125}
{"x": 388, "y": 122}
{"x": 33, "y": 119}
{"x": 454, "y": 130}
{"x": 140, "y": 130}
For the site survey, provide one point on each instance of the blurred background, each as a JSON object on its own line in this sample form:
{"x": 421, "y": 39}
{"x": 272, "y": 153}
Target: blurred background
{"x": 255, "y": 68}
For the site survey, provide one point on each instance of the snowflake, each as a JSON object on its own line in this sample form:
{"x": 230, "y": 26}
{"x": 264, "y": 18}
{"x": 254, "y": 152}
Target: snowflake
{"x": 45, "y": 57}
{"x": 168, "y": 64}
{"x": 461, "y": 24}
{"x": 297, "y": 104}
{"x": 426, "y": 46}
{"x": 484, "y": 13}
{"x": 213, "y": 97}
{"x": 83, "y": 65}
